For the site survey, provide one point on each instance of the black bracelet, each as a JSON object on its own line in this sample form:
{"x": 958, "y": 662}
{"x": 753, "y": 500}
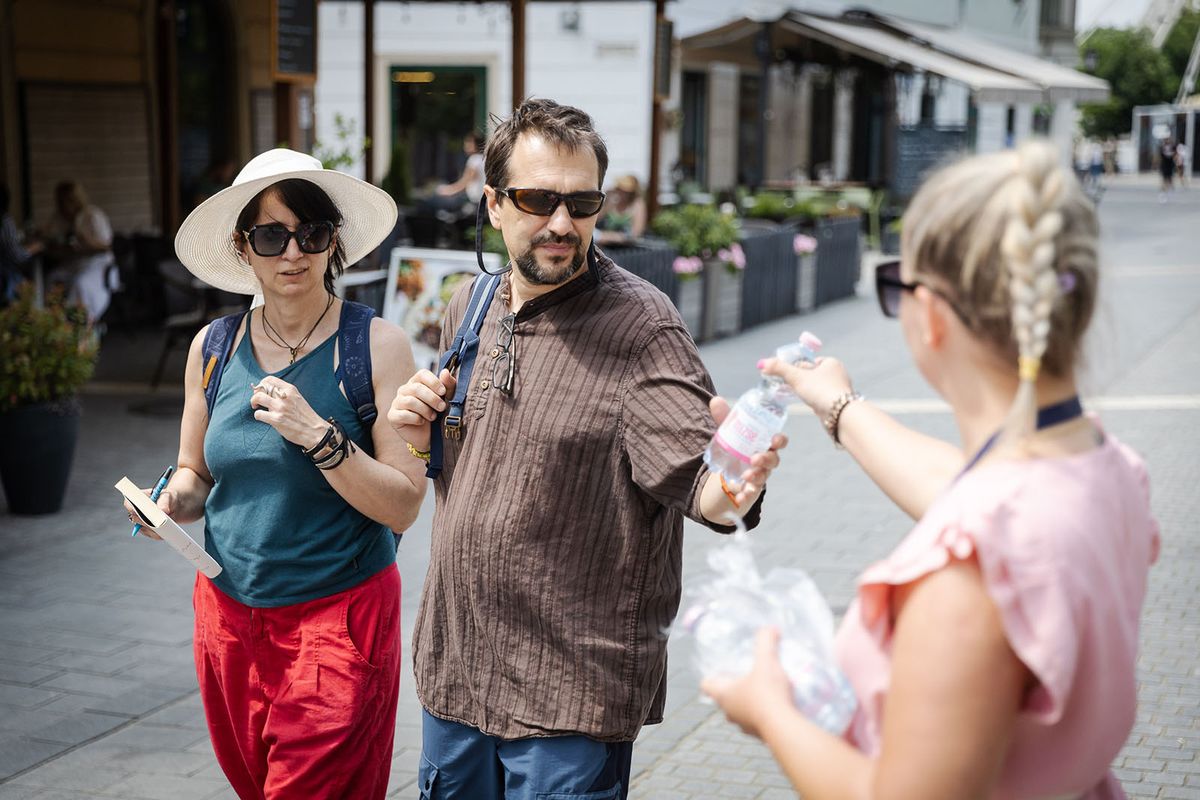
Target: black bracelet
{"x": 316, "y": 448}
{"x": 341, "y": 448}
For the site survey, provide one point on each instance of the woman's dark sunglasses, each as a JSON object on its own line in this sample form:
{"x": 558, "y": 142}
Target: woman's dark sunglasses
{"x": 543, "y": 202}
{"x": 271, "y": 240}
{"x": 888, "y": 287}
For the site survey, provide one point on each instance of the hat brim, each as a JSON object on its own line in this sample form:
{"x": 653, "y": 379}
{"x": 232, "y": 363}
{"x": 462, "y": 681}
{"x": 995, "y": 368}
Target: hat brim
{"x": 205, "y": 245}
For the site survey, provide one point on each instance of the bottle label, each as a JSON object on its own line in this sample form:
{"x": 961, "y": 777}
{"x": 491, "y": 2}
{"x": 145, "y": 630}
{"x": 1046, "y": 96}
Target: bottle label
{"x": 747, "y": 431}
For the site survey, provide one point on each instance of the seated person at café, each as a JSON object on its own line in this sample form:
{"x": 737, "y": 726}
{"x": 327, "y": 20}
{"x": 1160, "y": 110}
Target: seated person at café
{"x": 14, "y": 255}
{"x": 623, "y": 218}
{"x": 79, "y": 249}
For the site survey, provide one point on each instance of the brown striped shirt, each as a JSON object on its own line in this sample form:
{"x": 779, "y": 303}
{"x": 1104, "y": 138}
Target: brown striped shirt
{"x": 558, "y": 534}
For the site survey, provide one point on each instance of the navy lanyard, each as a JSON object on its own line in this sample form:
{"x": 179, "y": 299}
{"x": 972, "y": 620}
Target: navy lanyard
{"x": 1056, "y": 414}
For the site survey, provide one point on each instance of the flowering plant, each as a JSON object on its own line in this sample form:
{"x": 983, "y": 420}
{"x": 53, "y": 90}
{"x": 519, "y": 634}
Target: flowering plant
{"x": 734, "y": 257}
{"x": 698, "y": 232}
{"x": 803, "y": 244}
{"x": 687, "y": 266}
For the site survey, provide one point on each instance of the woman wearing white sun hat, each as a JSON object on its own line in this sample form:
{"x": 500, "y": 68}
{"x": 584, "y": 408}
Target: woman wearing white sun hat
{"x": 297, "y": 641}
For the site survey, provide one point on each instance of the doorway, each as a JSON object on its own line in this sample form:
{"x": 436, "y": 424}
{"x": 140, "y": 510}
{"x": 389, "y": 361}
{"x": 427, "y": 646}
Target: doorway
{"x": 204, "y": 62}
{"x": 433, "y": 108}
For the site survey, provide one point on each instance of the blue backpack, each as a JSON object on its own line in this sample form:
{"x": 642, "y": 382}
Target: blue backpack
{"x": 354, "y": 350}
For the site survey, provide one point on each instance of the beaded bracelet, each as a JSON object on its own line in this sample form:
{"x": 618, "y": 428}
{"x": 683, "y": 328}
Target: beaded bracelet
{"x": 835, "y": 415}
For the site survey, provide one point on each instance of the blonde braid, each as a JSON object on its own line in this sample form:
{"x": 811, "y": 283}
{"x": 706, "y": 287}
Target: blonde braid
{"x": 1035, "y": 219}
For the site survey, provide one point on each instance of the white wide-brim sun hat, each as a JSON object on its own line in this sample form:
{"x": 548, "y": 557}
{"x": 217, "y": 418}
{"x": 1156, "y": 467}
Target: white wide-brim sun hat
{"x": 205, "y": 240}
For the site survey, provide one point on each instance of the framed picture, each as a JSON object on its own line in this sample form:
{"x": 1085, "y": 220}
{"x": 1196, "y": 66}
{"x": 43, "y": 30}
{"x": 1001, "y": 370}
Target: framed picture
{"x": 420, "y": 283}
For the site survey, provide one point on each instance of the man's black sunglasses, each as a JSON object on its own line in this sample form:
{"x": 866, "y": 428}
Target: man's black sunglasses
{"x": 272, "y": 239}
{"x": 543, "y": 202}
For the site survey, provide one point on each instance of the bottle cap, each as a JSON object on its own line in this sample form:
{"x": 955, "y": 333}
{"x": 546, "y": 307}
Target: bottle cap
{"x": 809, "y": 340}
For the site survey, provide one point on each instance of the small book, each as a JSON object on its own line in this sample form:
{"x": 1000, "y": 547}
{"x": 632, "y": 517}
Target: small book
{"x": 150, "y": 515}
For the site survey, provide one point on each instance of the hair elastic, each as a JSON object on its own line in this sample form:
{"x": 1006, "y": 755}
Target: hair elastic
{"x": 1028, "y": 368}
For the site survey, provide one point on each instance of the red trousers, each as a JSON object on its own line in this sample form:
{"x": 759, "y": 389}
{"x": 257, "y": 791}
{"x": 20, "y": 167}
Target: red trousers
{"x": 301, "y": 700}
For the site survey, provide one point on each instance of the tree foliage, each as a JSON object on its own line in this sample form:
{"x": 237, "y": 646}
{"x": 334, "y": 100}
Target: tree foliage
{"x": 1138, "y": 73}
{"x": 1178, "y": 47}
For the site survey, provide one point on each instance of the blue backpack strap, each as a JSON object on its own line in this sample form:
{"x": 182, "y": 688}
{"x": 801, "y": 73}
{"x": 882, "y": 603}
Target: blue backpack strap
{"x": 354, "y": 360}
{"x": 461, "y": 355}
{"x": 215, "y": 353}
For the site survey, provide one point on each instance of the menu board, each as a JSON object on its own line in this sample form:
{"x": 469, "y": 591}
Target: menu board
{"x": 294, "y": 39}
{"x": 918, "y": 151}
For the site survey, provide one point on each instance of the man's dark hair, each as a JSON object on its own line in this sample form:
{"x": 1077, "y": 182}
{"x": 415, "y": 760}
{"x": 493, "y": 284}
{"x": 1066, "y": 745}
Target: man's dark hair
{"x": 564, "y": 126}
{"x": 309, "y": 203}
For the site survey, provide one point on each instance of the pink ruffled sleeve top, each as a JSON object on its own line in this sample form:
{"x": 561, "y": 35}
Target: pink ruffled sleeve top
{"x": 1064, "y": 546}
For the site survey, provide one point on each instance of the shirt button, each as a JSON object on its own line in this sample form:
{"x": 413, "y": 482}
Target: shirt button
{"x": 495, "y": 352}
{"x": 485, "y": 384}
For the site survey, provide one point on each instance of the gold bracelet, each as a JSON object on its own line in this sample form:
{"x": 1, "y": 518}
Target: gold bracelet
{"x": 835, "y": 415}
{"x": 421, "y": 454}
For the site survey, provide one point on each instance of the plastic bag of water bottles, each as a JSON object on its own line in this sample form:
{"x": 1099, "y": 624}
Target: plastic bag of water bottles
{"x": 722, "y": 611}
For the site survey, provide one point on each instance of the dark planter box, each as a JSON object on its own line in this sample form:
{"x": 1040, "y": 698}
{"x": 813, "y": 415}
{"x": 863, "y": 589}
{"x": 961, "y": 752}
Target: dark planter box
{"x": 36, "y": 454}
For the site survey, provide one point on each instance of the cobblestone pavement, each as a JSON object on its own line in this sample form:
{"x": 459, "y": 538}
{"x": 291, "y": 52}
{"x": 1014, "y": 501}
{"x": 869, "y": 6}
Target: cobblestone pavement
{"x": 98, "y": 697}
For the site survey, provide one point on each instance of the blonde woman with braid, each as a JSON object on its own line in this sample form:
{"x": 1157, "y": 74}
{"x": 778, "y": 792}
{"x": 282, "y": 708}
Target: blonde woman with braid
{"x": 993, "y": 651}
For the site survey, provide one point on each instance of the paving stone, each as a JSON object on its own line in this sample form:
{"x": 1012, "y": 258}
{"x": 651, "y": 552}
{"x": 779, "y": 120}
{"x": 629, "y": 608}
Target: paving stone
{"x": 18, "y": 753}
{"x": 76, "y": 728}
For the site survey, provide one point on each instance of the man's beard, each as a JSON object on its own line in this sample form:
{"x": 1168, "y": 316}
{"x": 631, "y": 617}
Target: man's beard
{"x": 538, "y": 275}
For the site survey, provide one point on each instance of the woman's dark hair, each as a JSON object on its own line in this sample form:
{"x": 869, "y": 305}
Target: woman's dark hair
{"x": 309, "y": 203}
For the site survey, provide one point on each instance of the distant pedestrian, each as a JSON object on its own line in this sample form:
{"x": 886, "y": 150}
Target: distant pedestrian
{"x": 1181, "y": 162}
{"x": 297, "y": 641}
{"x": 1166, "y": 167}
{"x": 994, "y": 651}
{"x": 557, "y": 540}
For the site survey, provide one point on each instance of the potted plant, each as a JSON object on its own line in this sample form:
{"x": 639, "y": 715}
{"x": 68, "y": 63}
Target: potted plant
{"x": 704, "y": 233}
{"x": 46, "y": 355}
{"x": 805, "y": 247}
{"x": 689, "y": 292}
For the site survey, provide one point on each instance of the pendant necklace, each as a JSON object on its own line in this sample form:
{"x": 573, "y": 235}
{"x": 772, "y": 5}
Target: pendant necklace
{"x": 278, "y": 339}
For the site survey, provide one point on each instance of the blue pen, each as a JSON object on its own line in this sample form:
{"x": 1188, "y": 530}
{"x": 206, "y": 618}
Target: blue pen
{"x": 155, "y": 492}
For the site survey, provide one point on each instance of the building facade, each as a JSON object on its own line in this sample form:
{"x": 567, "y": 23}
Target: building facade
{"x": 442, "y": 69}
{"x": 149, "y": 104}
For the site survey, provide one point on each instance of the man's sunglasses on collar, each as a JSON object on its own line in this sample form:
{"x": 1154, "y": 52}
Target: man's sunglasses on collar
{"x": 543, "y": 202}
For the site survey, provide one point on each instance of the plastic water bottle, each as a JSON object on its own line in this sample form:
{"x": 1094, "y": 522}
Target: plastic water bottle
{"x": 757, "y": 416}
{"x": 723, "y": 610}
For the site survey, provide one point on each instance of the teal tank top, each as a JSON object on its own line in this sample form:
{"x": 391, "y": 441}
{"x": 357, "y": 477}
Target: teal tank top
{"x": 272, "y": 521}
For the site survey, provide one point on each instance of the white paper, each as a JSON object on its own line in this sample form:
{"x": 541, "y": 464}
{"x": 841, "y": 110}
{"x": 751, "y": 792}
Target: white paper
{"x": 154, "y": 518}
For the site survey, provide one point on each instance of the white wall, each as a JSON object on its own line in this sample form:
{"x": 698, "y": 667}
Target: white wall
{"x": 990, "y": 133}
{"x": 604, "y": 68}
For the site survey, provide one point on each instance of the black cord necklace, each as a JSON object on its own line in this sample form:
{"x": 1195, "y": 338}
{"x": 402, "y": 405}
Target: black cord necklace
{"x": 278, "y": 339}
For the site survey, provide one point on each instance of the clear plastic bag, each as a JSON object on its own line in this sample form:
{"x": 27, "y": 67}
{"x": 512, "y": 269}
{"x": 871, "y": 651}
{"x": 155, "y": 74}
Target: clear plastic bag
{"x": 722, "y": 611}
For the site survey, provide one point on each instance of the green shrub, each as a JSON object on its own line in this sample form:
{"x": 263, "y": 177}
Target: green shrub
{"x": 694, "y": 230}
{"x": 771, "y": 205}
{"x": 46, "y": 354}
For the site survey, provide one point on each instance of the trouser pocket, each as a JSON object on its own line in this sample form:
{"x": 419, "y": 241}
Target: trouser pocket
{"x": 427, "y": 779}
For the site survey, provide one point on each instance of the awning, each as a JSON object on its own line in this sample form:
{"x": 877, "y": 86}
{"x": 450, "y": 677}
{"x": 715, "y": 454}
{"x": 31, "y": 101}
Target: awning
{"x": 1057, "y": 81}
{"x": 885, "y": 47}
